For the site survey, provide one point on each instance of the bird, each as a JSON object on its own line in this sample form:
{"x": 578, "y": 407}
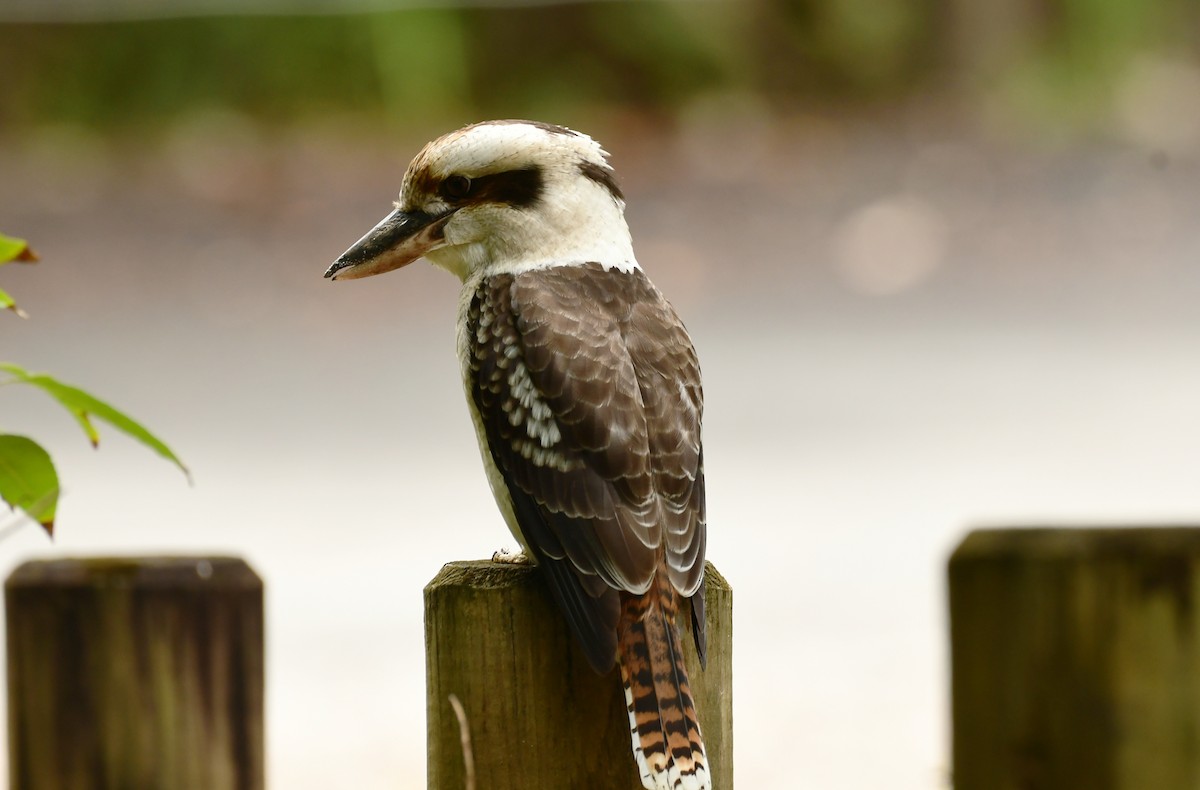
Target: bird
{"x": 585, "y": 392}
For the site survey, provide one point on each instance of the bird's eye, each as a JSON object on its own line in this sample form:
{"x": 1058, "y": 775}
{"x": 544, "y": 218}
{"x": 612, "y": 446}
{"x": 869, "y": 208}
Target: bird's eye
{"x": 456, "y": 187}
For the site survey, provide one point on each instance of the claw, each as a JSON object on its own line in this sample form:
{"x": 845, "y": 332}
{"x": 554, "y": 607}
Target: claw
{"x": 514, "y": 558}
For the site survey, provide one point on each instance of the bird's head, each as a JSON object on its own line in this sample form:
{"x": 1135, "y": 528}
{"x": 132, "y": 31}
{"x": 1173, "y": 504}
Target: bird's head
{"x": 500, "y": 196}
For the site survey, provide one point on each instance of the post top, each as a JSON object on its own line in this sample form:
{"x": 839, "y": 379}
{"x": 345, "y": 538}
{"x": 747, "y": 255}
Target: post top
{"x": 490, "y": 575}
{"x": 135, "y": 572}
{"x": 481, "y": 574}
{"x": 1076, "y": 543}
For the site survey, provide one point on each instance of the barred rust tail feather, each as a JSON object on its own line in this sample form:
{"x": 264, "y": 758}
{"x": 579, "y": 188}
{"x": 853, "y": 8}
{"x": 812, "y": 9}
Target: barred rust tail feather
{"x": 662, "y": 715}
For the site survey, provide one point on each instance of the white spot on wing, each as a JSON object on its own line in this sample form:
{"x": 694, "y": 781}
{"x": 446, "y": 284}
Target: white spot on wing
{"x": 533, "y": 413}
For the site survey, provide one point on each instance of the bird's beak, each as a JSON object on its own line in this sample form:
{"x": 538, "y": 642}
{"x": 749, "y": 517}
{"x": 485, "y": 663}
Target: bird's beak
{"x": 398, "y": 240}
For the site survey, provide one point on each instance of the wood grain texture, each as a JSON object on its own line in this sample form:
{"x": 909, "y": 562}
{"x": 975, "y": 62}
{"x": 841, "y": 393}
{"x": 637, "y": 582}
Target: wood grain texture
{"x": 539, "y": 715}
{"x": 1076, "y": 662}
{"x": 135, "y": 673}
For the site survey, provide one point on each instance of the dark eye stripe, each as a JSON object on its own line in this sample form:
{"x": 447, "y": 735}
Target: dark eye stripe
{"x": 602, "y": 176}
{"x": 518, "y": 188}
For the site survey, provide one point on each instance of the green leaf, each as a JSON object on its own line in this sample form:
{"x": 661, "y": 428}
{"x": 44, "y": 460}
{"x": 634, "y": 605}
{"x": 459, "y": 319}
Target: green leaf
{"x": 84, "y": 406}
{"x": 7, "y": 303}
{"x": 15, "y": 250}
{"x": 28, "y": 480}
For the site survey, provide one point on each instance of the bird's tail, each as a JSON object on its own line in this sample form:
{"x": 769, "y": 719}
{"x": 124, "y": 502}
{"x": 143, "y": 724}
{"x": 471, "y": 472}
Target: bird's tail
{"x": 662, "y": 715}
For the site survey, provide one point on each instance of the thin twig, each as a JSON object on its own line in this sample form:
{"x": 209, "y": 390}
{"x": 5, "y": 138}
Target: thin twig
{"x": 464, "y": 733}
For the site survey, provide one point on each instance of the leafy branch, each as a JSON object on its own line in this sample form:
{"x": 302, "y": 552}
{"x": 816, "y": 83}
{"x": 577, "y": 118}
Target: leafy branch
{"x": 28, "y": 479}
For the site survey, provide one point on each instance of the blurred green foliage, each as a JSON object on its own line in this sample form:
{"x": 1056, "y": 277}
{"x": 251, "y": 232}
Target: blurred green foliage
{"x": 1067, "y": 71}
{"x": 117, "y": 73}
{"x": 436, "y": 62}
{"x": 1043, "y": 56}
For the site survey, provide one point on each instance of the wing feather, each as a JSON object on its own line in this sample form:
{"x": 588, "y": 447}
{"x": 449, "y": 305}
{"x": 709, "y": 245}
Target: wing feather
{"x": 589, "y": 393}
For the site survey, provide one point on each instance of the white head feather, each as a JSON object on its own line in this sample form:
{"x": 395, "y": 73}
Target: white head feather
{"x": 574, "y": 219}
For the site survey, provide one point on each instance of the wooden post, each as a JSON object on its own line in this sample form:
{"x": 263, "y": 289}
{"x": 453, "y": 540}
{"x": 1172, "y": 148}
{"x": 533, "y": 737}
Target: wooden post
{"x": 135, "y": 673}
{"x": 539, "y": 716}
{"x": 1076, "y": 659}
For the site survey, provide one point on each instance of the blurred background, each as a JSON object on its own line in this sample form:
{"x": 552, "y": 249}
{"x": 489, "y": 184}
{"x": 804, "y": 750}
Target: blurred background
{"x": 941, "y": 261}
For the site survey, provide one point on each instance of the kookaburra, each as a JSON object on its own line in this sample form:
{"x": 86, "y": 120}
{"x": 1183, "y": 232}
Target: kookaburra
{"x": 585, "y": 392}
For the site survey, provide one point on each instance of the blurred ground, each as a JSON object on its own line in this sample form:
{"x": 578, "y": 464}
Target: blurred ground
{"x": 907, "y": 326}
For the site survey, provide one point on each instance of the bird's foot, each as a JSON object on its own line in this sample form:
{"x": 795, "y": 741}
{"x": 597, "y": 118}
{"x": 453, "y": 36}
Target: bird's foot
{"x": 510, "y": 558}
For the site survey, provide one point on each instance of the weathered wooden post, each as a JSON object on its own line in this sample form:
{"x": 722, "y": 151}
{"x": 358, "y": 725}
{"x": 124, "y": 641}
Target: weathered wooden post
{"x": 539, "y": 716}
{"x": 1076, "y": 659}
{"x": 135, "y": 673}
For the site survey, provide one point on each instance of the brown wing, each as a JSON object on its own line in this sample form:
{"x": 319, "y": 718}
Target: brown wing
{"x": 669, "y": 380}
{"x": 589, "y": 393}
